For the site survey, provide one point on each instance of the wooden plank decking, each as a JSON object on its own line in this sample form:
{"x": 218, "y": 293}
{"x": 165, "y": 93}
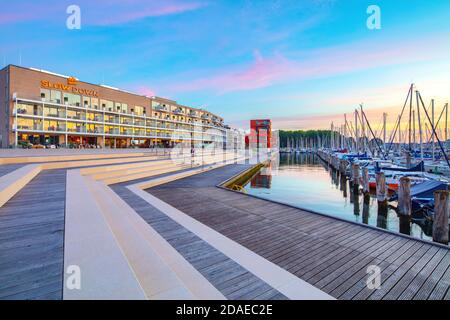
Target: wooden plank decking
{"x": 331, "y": 254}
{"x": 231, "y": 279}
{"x": 31, "y": 239}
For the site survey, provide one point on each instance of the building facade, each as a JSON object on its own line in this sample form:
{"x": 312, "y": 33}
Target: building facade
{"x": 260, "y": 135}
{"x": 43, "y": 108}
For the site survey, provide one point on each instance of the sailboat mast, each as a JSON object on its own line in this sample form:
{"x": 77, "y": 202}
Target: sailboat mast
{"x": 420, "y": 126}
{"x": 356, "y": 131}
{"x": 432, "y": 124}
{"x": 384, "y": 130}
{"x": 446, "y": 123}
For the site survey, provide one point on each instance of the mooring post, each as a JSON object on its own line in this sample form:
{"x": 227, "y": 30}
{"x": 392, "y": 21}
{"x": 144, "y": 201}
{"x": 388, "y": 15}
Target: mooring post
{"x": 355, "y": 178}
{"x": 366, "y": 188}
{"x": 440, "y": 222}
{"x": 381, "y": 190}
{"x": 365, "y": 180}
{"x": 341, "y": 167}
{"x": 404, "y": 196}
{"x": 408, "y": 159}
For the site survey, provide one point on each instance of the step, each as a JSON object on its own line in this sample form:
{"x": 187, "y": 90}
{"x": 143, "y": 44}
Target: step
{"x": 162, "y": 272}
{"x": 128, "y": 171}
{"x": 14, "y": 181}
{"x": 90, "y": 244}
{"x": 140, "y": 175}
{"x": 74, "y": 157}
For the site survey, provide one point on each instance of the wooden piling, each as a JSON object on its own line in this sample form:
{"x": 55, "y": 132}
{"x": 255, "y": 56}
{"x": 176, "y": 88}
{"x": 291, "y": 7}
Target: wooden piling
{"x": 381, "y": 188}
{"x": 365, "y": 181}
{"x": 355, "y": 178}
{"x": 404, "y": 196}
{"x": 440, "y": 222}
{"x": 408, "y": 160}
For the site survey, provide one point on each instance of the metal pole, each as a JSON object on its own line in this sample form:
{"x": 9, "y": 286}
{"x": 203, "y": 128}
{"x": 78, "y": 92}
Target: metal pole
{"x": 432, "y": 124}
{"x": 384, "y": 131}
{"x": 420, "y": 126}
{"x": 356, "y": 131}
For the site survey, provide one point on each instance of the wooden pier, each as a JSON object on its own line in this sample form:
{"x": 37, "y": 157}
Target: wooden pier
{"x": 331, "y": 254}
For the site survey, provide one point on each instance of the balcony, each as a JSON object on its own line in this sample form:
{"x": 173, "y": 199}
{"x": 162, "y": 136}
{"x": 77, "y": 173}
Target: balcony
{"x": 77, "y": 117}
{"x": 55, "y": 114}
{"x": 77, "y": 130}
{"x": 96, "y": 130}
{"x": 178, "y": 111}
{"x": 113, "y": 131}
{"x": 205, "y": 116}
{"x": 112, "y": 120}
{"x": 160, "y": 108}
{"x": 56, "y": 128}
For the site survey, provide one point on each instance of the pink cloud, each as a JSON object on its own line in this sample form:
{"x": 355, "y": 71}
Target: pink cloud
{"x": 266, "y": 71}
{"x": 261, "y": 73}
{"x": 145, "y": 91}
{"x": 107, "y": 12}
{"x": 134, "y": 10}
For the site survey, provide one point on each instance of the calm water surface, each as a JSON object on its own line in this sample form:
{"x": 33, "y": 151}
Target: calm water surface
{"x": 303, "y": 180}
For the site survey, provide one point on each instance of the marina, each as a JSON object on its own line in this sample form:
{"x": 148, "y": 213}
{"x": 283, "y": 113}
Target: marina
{"x": 305, "y": 181}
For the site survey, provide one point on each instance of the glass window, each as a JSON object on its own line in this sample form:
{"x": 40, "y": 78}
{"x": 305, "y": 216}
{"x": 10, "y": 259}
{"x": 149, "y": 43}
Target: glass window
{"x": 107, "y": 105}
{"x": 55, "y": 96}
{"x": 45, "y": 95}
{"x": 94, "y": 103}
{"x": 86, "y": 102}
{"x": 72, "y": 99}
{"x": 139, "y": 110}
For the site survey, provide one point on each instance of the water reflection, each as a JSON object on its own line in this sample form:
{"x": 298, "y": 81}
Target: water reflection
{"x": 305, "y": 181}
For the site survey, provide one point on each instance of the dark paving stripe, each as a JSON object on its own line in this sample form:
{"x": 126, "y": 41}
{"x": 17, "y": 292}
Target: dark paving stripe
{"x": 231, "y": 279}
{"x": 7, "y": 168}
{"x": 32, "y": 239}
{"x": 328, "y": 253}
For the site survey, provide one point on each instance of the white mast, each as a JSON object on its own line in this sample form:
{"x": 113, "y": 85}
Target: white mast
{"x": 432, "y": 125}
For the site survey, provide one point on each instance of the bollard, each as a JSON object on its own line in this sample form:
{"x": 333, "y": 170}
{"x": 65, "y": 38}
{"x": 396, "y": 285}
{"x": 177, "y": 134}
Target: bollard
{"x": 440, "y": 222}
{"x": 381, "y": 189}
{"x": 355, "y": 178}
{"x": 404, "y": 196}
{"x": 365, "y": 181}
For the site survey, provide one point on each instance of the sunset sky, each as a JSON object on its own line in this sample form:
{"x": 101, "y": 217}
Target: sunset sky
{"x": 301, "y": 63}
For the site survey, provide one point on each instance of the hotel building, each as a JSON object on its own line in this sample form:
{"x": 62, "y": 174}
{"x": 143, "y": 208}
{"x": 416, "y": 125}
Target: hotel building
{"x": 43, "y": 108}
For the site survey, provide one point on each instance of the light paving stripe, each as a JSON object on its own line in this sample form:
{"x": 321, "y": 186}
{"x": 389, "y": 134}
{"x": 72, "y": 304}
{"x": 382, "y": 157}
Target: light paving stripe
{"x": 90, "y": 245}
{"x": 223, "y": 273}
{"x": 286, "y": 283}
{"x": 171, "y": 262}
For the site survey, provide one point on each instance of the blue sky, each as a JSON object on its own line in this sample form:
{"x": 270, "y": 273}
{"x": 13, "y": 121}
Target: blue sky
{"x": 302, "y": 63}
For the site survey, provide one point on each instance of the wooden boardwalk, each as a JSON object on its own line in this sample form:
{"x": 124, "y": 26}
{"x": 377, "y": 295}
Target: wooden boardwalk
{"x": 5, "y": 169}
{"x": 31, "y": 239}
{"x": 331, "y": 254}
{"x": 231, "y": 279}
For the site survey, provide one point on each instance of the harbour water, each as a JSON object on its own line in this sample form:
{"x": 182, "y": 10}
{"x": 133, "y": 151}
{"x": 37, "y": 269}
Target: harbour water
{"x": 304, "y": 181}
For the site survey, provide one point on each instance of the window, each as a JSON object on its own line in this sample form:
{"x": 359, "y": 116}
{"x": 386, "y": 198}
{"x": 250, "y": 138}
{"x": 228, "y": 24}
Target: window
{"x": 94, "y": 103}
{"x": 72, "y": 99}
{"x": 55, "y": 96}
{"x": 138, "y": 110}
{"x": 107, "y": 105}
{"x": 86, "y": 102}
{"x": 45, "y": 95}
